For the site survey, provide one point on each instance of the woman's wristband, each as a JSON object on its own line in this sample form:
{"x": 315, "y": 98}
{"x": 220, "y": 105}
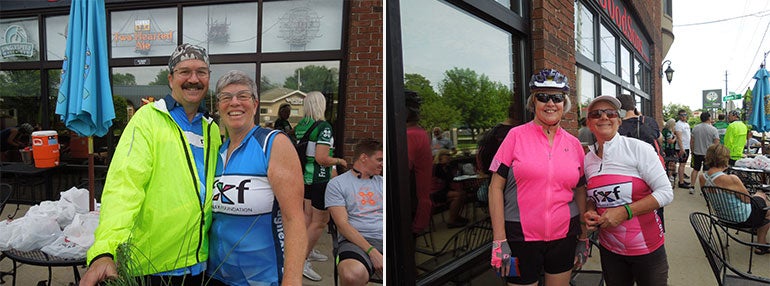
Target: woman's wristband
{"x": 628, "y": 210}
{"x": 369, "y": 250}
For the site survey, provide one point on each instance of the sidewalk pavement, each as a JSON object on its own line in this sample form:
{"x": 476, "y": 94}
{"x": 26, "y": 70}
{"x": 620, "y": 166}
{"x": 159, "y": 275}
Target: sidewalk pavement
{"x": 63, "y": 276}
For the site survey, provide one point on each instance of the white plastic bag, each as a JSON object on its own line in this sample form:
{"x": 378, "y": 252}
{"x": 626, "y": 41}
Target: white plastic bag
{"x": 63, "y": 247}
{"x": 34, "y": 232}
{"x": 82, "y": 229}
{"x": 7, "y": 232}
{"x": 77, "y": 197}
{"x": 76, "y": 237}
{"x": 62, "y": 212}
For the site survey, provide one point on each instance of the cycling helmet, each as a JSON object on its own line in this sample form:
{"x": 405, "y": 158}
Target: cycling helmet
{"x": 549, "y": 78}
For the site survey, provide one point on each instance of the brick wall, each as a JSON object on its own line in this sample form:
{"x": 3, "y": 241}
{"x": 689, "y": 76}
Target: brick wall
{"x": 553, "y": 46}
{"x": 364, "y": 93}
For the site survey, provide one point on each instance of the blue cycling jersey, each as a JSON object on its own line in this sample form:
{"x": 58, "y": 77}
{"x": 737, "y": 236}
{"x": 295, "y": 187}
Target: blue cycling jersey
{"x": 244, "y": 212}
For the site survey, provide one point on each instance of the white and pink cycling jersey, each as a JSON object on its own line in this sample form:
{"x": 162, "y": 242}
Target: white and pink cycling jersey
{"x": 540, "y": 178}
{"x": 628, "y": 172}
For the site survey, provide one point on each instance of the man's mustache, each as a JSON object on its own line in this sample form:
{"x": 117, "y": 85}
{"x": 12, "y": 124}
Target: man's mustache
{"x": 193, "y": 85}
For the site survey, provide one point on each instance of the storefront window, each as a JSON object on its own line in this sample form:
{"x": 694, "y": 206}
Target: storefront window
{"x": 19, "y": 40}
{"x": 141, "y": 33}
{"x": 56, "y": 37}
{"x": 290, "y": 82}
{"x": 625, "y": 65}
{"x": 466, "y": 88}
{"x": 584, "y": 31}
{"x": 609, "y": 88}
{"x": 585, "y": 90}
{"x": 20, "y": 97}
{"x": 638, "y": 66}
{"x": 289, "y": 26}
{"x": 608, "y": 51}
{"x": 222, "y": 28}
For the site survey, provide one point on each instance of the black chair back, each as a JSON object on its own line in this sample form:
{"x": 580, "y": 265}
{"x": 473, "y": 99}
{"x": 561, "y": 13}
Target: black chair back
{"x": 710, "y": 233}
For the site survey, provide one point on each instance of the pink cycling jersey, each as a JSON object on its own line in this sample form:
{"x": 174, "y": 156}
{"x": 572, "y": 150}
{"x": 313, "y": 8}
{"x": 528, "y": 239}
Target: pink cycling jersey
{"x": 628, "y": 171}
{"x": 540, "y": 177}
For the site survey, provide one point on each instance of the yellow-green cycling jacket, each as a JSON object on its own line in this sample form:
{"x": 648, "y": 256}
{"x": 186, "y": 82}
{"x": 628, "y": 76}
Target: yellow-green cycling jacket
{"x": 151, "y": 195}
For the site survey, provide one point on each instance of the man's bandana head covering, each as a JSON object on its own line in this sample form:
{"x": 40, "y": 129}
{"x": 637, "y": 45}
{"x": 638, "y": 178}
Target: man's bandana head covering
{"x": 187, "y": 52}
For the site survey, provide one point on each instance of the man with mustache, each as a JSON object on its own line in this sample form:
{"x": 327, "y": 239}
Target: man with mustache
{"x": 157, "y": 196}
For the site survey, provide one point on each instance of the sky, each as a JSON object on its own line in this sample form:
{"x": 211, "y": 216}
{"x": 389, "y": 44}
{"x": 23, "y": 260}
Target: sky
{"x": 711, "y": 37}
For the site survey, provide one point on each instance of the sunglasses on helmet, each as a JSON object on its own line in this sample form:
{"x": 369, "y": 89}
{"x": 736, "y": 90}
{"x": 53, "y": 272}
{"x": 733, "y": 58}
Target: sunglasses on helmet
{"x": 596, "y": 114}
{"x": 544, "y": 97}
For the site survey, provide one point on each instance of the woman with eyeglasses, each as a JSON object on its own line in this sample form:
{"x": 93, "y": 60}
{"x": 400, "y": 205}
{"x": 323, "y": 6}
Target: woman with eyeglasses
{"x": 536, "y": 194}
{"x": 626, "y": 183}
{"x": 258, "y": 234}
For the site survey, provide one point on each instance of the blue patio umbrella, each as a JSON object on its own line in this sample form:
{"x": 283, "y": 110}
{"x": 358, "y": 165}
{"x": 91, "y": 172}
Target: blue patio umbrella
{"x": 85, "y": 97}
{"x": 758, "y": 118}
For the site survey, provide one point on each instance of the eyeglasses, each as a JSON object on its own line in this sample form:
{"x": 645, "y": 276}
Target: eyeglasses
{"x": 682, "y": 114}
{"x": 596, "y": 114}
{"x": 187, "y": 73}
{"x": 544, "y": 97}
{"x": 242, "y": 95}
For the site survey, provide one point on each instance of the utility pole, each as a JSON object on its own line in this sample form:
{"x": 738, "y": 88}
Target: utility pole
{"x": 725, "y": 94}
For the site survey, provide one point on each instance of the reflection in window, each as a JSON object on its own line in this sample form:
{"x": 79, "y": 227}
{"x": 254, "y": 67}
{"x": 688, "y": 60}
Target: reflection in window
{"x": 301, "y": 26}
{"x": 466, "y": 86}
{"x": 20, "y": 97}
{"x": 55, "y": 35}
{"x": 290, "y": 82}
{"x": 625, "y": 64}
{"x": 609, "y": 88}
{"x": 139, "y": 33}
{"x": 20, "y": 40}
{"x": 584, "y": 31}
{"x": 586, "y": 89}
{"x": 222, "y": 28}
{"x": 608, "y": 52}
{"x": 638, "y": 73}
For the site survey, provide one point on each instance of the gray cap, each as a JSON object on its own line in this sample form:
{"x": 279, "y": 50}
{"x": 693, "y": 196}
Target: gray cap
{"x": 608, "y": 98}
{"x": 187, "y": 52}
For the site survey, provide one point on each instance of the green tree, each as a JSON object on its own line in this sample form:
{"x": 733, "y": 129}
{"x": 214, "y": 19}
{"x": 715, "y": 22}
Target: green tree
{"x": 123, "y": 79}
{"x": 671, "y": 110}
{"x": 161, "y": 78}
{"x": 482, "y": 103}
{"x": 435, "y": 111}
{"x": 312, "y": 77}
{"x": 265, "y": 84}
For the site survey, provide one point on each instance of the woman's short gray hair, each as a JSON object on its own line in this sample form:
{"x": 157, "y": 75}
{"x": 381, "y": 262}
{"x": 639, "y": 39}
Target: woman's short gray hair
{"x": 315, "y": 105}
{"x": 237, "y": 77}
{"x": 531, "y": 102}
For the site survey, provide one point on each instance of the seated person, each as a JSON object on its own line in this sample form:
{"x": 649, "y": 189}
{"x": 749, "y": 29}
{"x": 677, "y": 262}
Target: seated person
{"x": 14, "y": 138}
{"x": 751, "y": 213}
{"x": 752, "y": 145}
{"x": 440, "y": 141}
{"x": 445, "y": 189}
{"x": 354, "y": 200}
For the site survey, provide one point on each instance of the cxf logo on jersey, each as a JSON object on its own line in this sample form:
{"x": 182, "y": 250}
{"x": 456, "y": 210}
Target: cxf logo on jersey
{"x": 611, "y": 195}
{"x": 242, "y": 195}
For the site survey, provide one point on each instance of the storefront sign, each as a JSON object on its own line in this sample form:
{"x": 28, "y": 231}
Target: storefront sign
{"x": 623, "y": 19}
{"x": 16, "y": 43}
{"x": 712, "y": 98}
{"x": 143, "y": 36}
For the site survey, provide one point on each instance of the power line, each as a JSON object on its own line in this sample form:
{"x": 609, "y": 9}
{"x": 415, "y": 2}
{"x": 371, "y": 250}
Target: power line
{"x": 757, "y": 14}
{"x": 748, "y": 79}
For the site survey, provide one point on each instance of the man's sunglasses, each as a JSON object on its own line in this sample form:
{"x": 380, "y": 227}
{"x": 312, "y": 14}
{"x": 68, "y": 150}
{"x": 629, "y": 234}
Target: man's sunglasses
{"x": 596, "y": 114}
{"x": 544, "y": 98}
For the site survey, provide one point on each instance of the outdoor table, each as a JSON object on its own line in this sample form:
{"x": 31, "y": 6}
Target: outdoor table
{"x": 39, "y": 258}
{"x": 470, "y": 184}
{"x": 27, "y": 177}
{"x": 753, "y": 179}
